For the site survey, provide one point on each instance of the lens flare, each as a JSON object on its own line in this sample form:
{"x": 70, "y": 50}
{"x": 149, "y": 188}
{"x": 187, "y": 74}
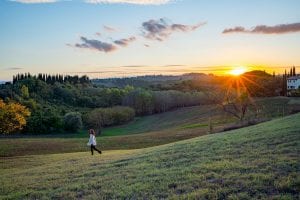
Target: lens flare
{"x": 238, "y": 71}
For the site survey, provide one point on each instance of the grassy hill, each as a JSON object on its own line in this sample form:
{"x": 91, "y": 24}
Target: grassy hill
{"x": 257, "y": 162}
{"x": 148, "y": 131}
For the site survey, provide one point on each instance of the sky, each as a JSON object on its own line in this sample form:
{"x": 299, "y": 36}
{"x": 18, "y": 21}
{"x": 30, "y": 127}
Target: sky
{"x": 117, "y": 38}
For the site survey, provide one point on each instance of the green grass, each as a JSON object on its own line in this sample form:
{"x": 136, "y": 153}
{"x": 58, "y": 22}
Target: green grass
{"x": 197, "y": 125}
{"x": 165, "y": 120}
{"x": 257, "y": 162}
{"x": 144, "y": 132}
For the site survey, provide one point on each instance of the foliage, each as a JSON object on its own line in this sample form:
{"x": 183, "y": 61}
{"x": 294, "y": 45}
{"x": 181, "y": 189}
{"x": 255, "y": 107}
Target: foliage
{"x": 141, "y": 100}
{"x": 46, "y": 120}
{"x": 72, "y": 121}
{"x": 24, "y": 92}
{"x": 51, "y": 79}
{"x": 102, "y": 117}
{"x": 262, "y": 84}
{"x": 12, "y": 117}
{"x": 148, "y": 102}
{"x": 146, "y": 95}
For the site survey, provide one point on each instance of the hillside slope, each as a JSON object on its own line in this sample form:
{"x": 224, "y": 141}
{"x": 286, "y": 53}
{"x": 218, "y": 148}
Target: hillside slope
{"x": 260, "y": 161}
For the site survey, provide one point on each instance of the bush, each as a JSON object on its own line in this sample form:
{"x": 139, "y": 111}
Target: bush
{"x": 72, "y": 121}
{"x": 12, "y": 117}
{"x": 101, "y": 117}
{"x": 44, "y": 121}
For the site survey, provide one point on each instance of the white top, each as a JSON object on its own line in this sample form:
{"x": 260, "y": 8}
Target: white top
{"x": 92, "y": 140}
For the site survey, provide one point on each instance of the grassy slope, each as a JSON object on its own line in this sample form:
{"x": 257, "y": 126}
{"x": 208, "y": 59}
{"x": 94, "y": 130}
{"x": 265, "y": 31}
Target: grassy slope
{"x": 167, "y": 120}
{"x": 260, "y": 161}
{"x": 146, "y": 131}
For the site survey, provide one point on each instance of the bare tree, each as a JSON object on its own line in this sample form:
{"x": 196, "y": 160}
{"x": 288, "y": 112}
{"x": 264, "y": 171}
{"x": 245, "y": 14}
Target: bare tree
{"x": 236, "y": 103}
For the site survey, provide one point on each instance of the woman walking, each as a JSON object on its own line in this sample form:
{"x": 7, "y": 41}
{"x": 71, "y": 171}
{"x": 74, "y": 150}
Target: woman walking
{"x": 92, "y": 141}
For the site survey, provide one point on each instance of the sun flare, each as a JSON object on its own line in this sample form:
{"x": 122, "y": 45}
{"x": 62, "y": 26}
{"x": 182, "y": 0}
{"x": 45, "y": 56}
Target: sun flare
{"x": 238, "y": 71}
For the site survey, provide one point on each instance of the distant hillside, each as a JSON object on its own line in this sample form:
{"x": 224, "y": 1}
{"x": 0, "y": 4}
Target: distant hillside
{"x": 144, "y": 81}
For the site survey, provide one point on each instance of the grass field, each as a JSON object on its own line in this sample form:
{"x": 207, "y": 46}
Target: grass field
{"x": 257, "y": 162}
{"x": 146, "y": 131}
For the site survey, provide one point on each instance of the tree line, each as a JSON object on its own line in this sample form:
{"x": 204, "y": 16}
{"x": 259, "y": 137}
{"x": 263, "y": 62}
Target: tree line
{"x": 60, "y": 105}
{"x": 51, "y": 79}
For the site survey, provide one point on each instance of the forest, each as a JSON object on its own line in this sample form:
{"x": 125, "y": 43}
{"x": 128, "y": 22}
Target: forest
{"x": 56, "y": 103}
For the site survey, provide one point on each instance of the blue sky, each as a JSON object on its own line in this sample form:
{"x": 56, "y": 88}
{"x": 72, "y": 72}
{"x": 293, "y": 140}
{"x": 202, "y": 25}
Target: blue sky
{"x": 173, "y": 37}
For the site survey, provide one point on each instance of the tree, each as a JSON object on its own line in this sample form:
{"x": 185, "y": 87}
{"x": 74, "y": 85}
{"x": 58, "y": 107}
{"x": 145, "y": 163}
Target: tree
{"x": 237, "y": 105}
{"x": 294, "y": 71}
{"x": 24, "y": 92}
{"x": 102, "y": 117}
{"x": 73, "y": 121}
{"x": 141, "y": 100}
{"x": 234, "y": 99}
{"x": 12, "y": 117}
{"x": 45, "y": 120}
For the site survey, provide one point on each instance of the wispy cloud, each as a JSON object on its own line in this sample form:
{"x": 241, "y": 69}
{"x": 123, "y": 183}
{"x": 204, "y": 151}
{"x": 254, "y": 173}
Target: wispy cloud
{"x": 13, "y": 68}
{"x": 95, "y": 45}
{"x": 263, "y": 29}
{"x": 110, "y": 28}
{"x": 133, "y": 66}
{"x": 161, "y": 29}
{"x": 125, "y": 42}
{"x": 98, "y": 45}
{"x": 35, "y": 1}
{"x": 174, "y": 65}
{"x": 138, "y": 2}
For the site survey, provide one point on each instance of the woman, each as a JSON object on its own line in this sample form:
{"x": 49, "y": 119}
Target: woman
{"x": 92, "y": 141}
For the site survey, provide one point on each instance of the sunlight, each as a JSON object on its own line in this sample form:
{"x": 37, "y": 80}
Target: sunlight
{"x": 238, "y": 71}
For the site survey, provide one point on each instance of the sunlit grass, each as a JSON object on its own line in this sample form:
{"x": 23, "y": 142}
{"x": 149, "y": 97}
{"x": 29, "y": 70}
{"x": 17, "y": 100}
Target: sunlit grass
{"x": 258, "y": 162}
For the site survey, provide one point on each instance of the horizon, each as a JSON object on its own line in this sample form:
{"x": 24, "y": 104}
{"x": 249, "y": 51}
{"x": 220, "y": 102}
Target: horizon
{"x": 145, "y": 75}
{"x": 157, "y": 37}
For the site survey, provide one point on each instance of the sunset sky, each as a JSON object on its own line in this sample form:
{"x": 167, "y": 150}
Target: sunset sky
{"x": 116, "y": 38}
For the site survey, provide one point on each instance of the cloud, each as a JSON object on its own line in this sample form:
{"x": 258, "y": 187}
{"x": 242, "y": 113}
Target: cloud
{"x": 133, "y": 66}
{"x": 125, "y": 42}
{"x": 263, "y": 29}
{"x": 160, "y": 29}
{"x": 138, "y": 2}
{"x": 34, "y": 1}
{"x": 176, "y": 65}
{"x": 110, "y": 29}
{"x": 13, "y": 68}
{"x": 95, "y": 45}
{"x": 102, "y": 46}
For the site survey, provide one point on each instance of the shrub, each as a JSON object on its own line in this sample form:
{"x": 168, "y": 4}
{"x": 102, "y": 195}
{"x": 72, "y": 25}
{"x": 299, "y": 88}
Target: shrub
{"x": 72, "y": 121}
{"x": 46, "y": 120}
{"x": 12, "y": 117}
{"x": 101, "y": 117}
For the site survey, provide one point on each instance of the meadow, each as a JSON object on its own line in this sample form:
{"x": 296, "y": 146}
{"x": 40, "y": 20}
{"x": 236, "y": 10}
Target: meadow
{"x": 256, "y": 162}
{"x": 147, "y": 131}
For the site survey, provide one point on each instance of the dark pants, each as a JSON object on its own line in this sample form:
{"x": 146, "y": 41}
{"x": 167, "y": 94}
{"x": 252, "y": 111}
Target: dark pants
{"x": 94, "y": 148}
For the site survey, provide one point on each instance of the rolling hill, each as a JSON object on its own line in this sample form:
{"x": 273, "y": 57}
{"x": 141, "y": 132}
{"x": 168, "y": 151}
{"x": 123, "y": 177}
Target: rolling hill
{"x": 257, "y": 162}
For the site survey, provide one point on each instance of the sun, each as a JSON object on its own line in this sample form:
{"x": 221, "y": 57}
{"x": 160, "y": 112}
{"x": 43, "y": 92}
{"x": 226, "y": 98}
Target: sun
{"x": 238, "y": 71}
